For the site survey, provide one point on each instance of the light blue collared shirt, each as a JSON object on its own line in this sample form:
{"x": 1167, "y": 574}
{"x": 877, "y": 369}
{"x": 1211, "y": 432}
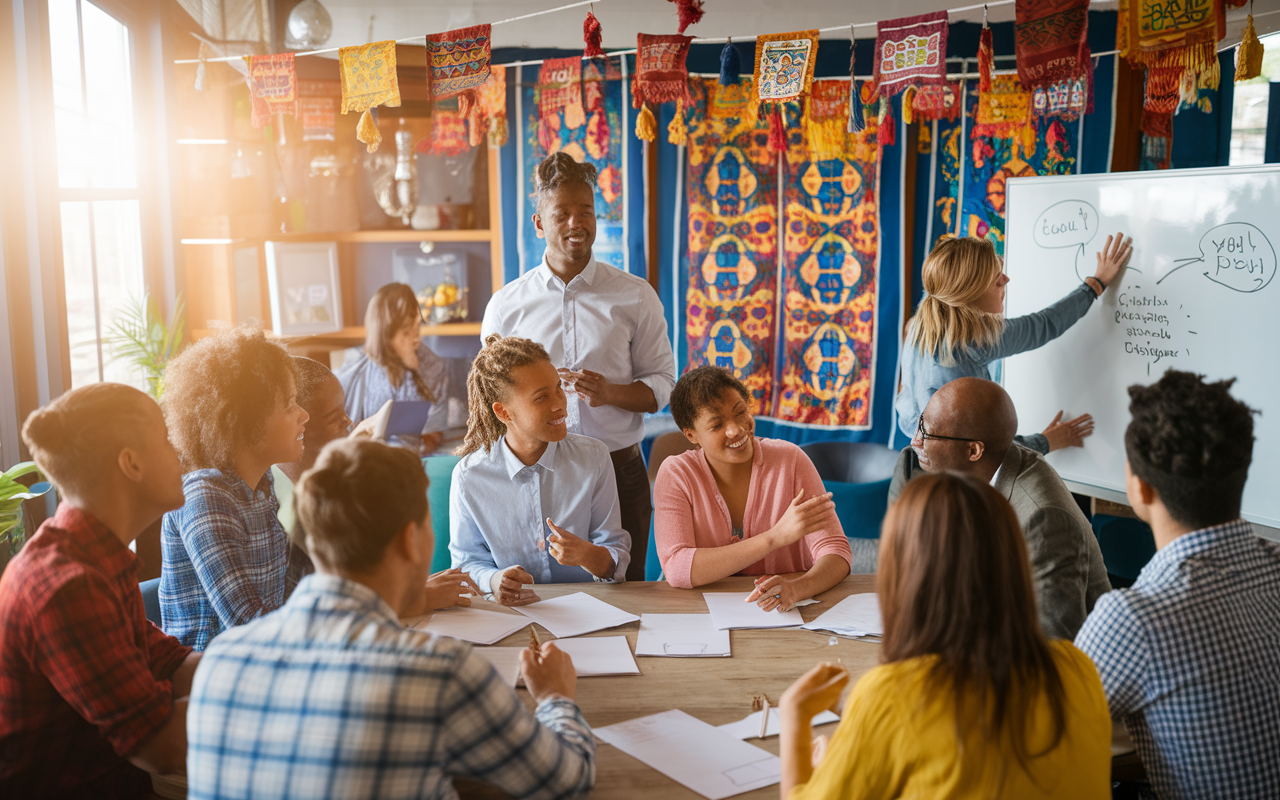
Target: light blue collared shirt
{"x": 498, "y": 509}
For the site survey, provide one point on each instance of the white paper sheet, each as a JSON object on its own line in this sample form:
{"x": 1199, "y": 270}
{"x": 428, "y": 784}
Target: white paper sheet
{"x": 681, "y": 636}
{"x": 857, "y": 615}
{"x": 506, "y": 660}
{"x": 575, "y": 614}
{"x": 600, "y": 655}
{"x": 699, "y": 756}
{"x": 749, "y": 726}
{"x": 473, "y": 625}
{"x": 730, "y": 611}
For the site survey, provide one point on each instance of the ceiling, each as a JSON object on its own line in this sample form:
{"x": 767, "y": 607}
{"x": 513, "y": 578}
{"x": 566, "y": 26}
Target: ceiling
{"x": 357, "y": 22}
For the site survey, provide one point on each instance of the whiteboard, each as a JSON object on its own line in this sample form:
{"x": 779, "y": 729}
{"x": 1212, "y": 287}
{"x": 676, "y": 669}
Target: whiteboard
{"x": 1199, "y": 295}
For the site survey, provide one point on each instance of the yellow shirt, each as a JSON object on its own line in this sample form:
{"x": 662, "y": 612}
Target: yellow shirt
{"x": 896, "y": 741}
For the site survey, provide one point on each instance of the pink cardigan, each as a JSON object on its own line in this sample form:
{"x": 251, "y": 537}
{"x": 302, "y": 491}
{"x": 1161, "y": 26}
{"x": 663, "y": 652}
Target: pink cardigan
{"x": 690, "y": 513}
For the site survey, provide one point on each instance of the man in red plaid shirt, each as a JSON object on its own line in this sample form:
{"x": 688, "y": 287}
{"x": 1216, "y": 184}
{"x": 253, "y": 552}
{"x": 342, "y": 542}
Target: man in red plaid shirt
{"x": 92, "y": 695}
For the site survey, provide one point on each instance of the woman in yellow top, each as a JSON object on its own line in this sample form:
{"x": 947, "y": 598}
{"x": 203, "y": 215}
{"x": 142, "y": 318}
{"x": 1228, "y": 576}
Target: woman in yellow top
{"x": 971, "y": 700}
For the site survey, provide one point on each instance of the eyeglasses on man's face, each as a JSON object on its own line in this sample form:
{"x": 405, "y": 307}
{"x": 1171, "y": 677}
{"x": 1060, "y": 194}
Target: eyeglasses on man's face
{"x": 926, "y": 436}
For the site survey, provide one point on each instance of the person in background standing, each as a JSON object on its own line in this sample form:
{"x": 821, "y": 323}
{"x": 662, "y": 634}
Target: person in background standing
{"x": 602, "y": 327}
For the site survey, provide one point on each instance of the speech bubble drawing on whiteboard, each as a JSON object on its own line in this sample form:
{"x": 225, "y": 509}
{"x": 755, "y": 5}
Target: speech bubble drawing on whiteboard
{"x": 1067, "y": 223}
{"x": 1236, "y": 255}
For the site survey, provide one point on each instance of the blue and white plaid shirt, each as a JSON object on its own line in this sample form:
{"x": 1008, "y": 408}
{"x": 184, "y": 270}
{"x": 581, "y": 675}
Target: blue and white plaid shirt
{"x": 226, "y": 557}
{"x": 331, "y": 697}
{"x": 1190, "y": 660}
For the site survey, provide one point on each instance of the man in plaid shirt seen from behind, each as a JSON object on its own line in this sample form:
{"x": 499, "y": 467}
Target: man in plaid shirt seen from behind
{"x": 330, "y": 697}
{"x": 92, "y": 694}
{"x": 1190, "y": 654}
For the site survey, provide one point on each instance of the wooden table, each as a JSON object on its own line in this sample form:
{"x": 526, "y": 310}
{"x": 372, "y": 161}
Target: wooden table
{"x": 715, "y": 690}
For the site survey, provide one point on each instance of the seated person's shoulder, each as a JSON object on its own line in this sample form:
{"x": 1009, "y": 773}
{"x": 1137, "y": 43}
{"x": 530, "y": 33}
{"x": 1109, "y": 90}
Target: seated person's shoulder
{"x": 42, "y": 574}
{"x": 680, "y": 467}
{"x": 1037, "y": 482}
{"x": 585, "y": 447}
{"x": 779, "y": 449}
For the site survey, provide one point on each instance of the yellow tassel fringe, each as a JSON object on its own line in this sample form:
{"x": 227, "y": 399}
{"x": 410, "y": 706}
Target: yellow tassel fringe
{"x": 646, "y": 125}
{"x": 1249, "y": 57}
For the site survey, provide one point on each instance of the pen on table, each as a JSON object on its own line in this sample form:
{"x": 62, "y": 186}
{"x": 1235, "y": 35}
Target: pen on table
{"x": 764, "y": 718}
{"x": 534, "y": 644}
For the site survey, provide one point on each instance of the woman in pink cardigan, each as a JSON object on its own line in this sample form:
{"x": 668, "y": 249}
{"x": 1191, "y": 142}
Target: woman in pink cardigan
{"x": 739, "y": 505}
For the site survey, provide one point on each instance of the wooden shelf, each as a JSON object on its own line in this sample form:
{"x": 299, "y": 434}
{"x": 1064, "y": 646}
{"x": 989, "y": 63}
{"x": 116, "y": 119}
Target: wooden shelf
{"x": 354, "y": 336}
{"x": 366, "y": 237}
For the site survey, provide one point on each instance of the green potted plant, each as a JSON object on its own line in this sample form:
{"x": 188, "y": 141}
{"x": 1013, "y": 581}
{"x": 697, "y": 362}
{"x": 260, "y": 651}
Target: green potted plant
{"x": 12, "y": 493}
{"x": 140, "y": 336}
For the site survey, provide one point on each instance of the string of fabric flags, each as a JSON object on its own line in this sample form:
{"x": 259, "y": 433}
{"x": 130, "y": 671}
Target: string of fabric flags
{"x": 1054, "y": 71}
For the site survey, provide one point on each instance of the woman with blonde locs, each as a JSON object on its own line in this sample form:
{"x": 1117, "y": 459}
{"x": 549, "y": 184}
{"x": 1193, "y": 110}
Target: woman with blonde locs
{"x": 970, "y": 700}
{"x": 530, "y": 502}
{"x": 959, "y": 328}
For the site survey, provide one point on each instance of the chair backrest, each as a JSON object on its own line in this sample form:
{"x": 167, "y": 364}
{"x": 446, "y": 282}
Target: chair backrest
{"x": 672, "y": 443}
{"x": 1127, "y": 544}
{"x": 151, "y": 599}
{"x": 852, "y": 462}
{"x": 440, "y": 474}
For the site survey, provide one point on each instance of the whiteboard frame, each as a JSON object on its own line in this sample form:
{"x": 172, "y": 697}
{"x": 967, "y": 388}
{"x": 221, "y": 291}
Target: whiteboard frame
{"x": 1076, "y": 486}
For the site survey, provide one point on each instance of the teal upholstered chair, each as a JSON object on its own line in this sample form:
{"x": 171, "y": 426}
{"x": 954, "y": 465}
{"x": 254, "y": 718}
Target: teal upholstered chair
{"x": 440, "y": 473}
{"x": 1127, "y": 545}
{"x": 857, "y": 474}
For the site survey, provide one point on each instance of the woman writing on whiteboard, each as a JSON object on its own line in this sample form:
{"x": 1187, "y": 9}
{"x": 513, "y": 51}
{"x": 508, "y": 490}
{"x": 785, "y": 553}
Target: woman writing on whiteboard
{"x": 959, "y": 328}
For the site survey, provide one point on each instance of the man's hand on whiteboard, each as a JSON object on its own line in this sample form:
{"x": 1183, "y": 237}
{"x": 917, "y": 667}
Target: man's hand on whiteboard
{"x": 1070, "y": 433}
{"x": 1115, "y": 254}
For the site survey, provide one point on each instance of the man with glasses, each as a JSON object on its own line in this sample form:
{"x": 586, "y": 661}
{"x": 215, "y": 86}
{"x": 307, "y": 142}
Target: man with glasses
{"x": 968, "y": 426}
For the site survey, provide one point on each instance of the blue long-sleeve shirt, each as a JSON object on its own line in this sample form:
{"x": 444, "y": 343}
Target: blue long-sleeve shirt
{"x": 922, "y": 375}
{"x": 498, "y": 509}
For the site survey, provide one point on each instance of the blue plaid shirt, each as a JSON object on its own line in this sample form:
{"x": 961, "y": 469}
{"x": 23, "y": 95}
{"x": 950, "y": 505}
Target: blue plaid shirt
{"x": 226, "y": 557}
{"x": 1190, "y": 660}
{"x": 330, "y": 697}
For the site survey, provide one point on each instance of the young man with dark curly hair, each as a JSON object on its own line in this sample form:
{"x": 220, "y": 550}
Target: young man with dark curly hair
{"x": 604, "y": 330}
{"x": 231, "y": 404}
{"x": 1190, "y": 654}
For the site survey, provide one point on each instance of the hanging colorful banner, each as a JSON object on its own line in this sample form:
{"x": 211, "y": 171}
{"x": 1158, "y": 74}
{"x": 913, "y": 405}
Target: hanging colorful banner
{"x": 830, "y": 278}
{"x": 458, "y": 61}
{"x": 936, "y": 101}
{"x": 273, "y": 87}
{"x": 318, "y": 117}
{"x": 585, "y": 145}
{"x": 661, "y": 72}
{"x": 827, "y": 119}
{"x": 733, "y": 238}
{"x": 559, "y": 89}
{"x": 368, "y": 74}
{"x": 1005, "y": 111}
{"x": 1047, "y": 146}
{"x": 784, "y": 65}
{"x": 493, "y": 110}
{"x": 1180, "y": 33}
{"x": 1067, "y": 98}
{"x": 448, "y": 135}
{"x": 1051, "y": 41}
{"x": 911, "y": 51}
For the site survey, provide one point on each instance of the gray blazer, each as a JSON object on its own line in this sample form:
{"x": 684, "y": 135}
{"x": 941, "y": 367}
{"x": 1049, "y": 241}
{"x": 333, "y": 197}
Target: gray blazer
{"x": 1066, "y": 562}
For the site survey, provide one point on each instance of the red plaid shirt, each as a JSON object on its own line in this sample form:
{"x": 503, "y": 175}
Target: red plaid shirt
{"x": 83, "y": 674}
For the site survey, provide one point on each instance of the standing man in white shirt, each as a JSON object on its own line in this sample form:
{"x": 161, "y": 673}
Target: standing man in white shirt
{"x": 604, "y": 330}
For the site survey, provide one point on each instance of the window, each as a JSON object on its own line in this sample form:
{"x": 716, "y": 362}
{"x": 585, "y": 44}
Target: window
{"x": 98, "y": 195}
{"x": 1249, "y": 110}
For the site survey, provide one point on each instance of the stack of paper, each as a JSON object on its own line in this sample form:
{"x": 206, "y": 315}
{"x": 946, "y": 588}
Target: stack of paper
{"x": 600, "y": 655}
{"x": 856, "y": 616}
{"x": 473, "y": 625}
{"x": 575, "y": 614}
{"x": 707, "y": 760}
{"x": 506, "y": 660}
{"x": 681, "y": 635}
{"x": 749, "y": 726}
{"x": 730, "y": 610}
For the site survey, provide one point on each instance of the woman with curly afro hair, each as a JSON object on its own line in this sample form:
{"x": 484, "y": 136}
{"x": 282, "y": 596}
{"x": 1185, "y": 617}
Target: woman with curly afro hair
{"x": 231, "y": 405}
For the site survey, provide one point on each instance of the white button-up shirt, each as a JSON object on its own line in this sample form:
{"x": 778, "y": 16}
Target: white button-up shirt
{"x": 498, "y": 510}
{"x": 605, "y": 320}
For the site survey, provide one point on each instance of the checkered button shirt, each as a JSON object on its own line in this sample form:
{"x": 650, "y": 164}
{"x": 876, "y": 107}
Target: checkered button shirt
{"x": 226, "y": 557}
{"x": 1190, "y": 660}
{"x": 331, "y": 697}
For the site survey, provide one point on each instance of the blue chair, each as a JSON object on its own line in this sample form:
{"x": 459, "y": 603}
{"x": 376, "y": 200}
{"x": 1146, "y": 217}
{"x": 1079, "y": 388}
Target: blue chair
{"x": 858, "y": 475}
{"x": 652, "y": 566}
{"x": 663, "y": 446}
{"x": 151, "y": 599}
{"x": 1127, "y": 545}
{"x": 440, "y": 473}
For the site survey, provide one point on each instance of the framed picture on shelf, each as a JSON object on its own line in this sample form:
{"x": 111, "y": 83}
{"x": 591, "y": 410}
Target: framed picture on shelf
{"x": 302, "y": 279}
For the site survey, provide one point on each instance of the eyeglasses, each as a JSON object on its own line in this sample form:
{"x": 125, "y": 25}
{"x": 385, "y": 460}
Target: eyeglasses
{"x": 926, "y": 436}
